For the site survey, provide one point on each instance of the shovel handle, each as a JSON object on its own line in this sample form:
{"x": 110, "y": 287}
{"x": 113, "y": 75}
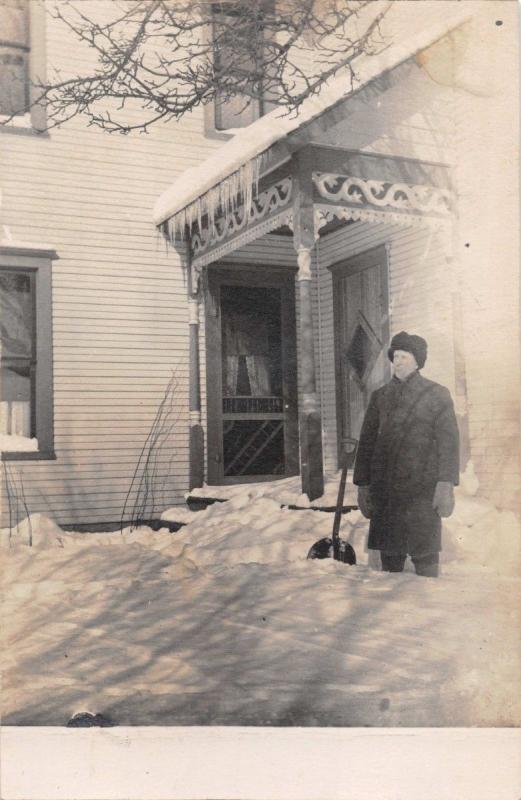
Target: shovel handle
{"x": 349, "y": 447}
{"x": 340, "y": 500}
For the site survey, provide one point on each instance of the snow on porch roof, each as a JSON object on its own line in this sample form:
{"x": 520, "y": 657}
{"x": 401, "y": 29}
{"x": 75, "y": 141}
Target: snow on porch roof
{"x": 237, "y": 163}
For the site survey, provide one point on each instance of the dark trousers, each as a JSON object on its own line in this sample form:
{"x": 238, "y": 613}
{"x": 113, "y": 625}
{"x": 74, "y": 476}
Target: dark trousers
{"x": 427, "y": 565}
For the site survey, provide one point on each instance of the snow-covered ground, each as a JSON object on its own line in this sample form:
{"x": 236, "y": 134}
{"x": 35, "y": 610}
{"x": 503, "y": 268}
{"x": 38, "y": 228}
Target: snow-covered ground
{"x": 227, "y": 622}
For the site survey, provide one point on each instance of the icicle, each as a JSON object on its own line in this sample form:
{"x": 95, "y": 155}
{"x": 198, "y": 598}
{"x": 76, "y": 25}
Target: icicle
{"x": 225, "y": 198}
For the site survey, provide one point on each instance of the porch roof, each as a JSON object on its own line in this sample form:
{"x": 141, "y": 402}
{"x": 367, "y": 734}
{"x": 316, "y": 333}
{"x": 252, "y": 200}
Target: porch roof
{"x": 234, "y": 169}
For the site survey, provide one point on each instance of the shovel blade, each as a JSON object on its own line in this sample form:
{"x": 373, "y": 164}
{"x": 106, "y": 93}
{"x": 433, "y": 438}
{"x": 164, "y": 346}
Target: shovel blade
{"x": 340, "y": 550}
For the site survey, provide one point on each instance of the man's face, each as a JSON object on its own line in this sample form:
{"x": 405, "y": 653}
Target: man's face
{"x": 404, "y": 364}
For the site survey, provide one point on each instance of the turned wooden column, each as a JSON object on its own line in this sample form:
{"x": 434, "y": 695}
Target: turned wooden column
{"x": 196, "y": 433}
{"x": 310, "y": 422}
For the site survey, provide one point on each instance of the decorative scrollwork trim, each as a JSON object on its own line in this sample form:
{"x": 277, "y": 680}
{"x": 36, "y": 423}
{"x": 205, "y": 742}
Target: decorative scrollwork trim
{"x": 284, "y": 217}
{"x": 408, "y": 198}
{"x": 227, "y": 227}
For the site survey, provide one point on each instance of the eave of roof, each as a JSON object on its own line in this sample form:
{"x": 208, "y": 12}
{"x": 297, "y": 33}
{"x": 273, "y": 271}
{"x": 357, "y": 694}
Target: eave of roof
{"x": 257, "y": 138}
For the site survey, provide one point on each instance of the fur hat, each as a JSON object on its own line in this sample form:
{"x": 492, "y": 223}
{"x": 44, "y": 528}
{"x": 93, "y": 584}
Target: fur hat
{"x": 411, "y": 344}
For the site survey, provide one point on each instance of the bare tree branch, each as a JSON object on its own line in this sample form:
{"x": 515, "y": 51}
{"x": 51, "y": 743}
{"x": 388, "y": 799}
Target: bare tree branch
{"x": 167, "y": 57}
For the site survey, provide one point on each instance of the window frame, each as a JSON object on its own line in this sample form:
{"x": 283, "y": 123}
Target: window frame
{"x": 210, "y": 109}
{"x": 34, "y": 121}
{"x": 37, "y": 262}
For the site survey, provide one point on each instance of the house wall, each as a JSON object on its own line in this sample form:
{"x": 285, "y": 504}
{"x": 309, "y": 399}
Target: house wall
{"x": 460, "y": 289}
{"x": 487, "y": 248}
{"x": 119, "y": 312}
{"x": 408, "y": 115}
{"x": 456, "y": 103}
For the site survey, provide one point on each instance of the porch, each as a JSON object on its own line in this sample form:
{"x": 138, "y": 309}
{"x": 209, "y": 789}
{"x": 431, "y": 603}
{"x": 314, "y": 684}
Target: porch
{"x": 269, "y": 401}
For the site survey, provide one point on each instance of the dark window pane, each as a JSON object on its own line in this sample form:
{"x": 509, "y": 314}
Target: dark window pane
{"x": 16, "y": 351}
{"x": 230, "y": 57}
{"x": 234, "y": 112}
{"x": 13, "y": 80}
{"x": 15, "y": 382}
{"x": 253, "y": 447}
{"x": 251, "y": 342}
{"x": 16, "y": 315}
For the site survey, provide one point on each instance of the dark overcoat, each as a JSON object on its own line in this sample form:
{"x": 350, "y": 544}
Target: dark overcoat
{"x": 408, "y": 442}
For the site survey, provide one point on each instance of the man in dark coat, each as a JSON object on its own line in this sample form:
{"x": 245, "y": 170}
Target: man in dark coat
{"x": 407, "y": 462}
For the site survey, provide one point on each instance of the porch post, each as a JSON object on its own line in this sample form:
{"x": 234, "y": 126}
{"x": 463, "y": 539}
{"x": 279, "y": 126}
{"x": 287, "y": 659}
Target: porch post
{"x": 196, "y": 434}
{"x": 310, "y": 422}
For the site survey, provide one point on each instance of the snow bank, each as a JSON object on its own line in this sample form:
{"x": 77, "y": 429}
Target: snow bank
{"x": 251, "y": 527}
{"x": 247, "y": 531}
{"x": 37, "y": 530}
{"x": 226, "y": 622}
{"x": 17, "y": 444}
{"x": 480, "y": 534}
{"x": 40, "y": 531}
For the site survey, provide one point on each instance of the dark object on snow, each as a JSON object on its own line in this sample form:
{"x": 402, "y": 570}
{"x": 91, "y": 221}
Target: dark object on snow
{"x": 324, "y": 509}
{"x": 87, "y": 720}
{"x": 195, "y": 503}
{"x": 157, "y": 524}
{"x": 334, "y": 546}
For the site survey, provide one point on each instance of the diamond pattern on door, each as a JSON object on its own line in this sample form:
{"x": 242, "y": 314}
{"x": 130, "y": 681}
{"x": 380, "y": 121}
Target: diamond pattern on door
{"x": 363, "y": 348}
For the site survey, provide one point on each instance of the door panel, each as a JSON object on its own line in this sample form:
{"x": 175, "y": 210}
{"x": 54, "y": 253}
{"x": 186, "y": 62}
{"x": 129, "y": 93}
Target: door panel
{"x": 361, "y": 325}
{"x": 251, "y": 376}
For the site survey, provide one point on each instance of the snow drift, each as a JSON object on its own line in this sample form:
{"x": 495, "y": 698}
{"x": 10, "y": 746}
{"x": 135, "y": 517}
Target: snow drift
{"x": 226, "y": 622}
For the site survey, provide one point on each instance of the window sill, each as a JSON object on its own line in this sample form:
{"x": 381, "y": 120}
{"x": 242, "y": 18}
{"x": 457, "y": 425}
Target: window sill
{"x": 22, "y": 130}
{"x": 28, "y": 455}
{"x": 223, "y": 136}
{"x": 210, "y": 131}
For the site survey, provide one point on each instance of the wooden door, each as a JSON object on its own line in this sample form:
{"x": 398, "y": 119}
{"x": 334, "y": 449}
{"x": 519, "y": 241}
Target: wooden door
{"x": 361, "y": 325}
{"x": 251, "y": 375}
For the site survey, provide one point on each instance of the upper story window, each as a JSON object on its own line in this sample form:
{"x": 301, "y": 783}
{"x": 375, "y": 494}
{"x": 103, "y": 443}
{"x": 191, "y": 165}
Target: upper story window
{"x": 243, "y": 64}
{"x": 22, "y": 62}
{"x": 26, "y": 402}
{"x": 14, "y": 57}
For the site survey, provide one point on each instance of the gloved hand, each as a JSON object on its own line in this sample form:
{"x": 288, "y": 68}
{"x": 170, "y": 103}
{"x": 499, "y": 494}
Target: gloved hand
{"x": 443, "y": 500}
{"x": 364, "y": 501}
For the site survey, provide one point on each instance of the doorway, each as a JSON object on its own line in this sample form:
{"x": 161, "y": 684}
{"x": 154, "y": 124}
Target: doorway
{"x": 361, "y": 333}
{"x": 251, "y": 375}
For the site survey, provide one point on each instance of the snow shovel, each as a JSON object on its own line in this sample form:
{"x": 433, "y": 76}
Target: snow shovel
{"x": 333, "y": 546}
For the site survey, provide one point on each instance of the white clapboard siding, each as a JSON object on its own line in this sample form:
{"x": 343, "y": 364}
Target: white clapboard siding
{"x": 119, "y": 309}
{"x": 119, "y": 304}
